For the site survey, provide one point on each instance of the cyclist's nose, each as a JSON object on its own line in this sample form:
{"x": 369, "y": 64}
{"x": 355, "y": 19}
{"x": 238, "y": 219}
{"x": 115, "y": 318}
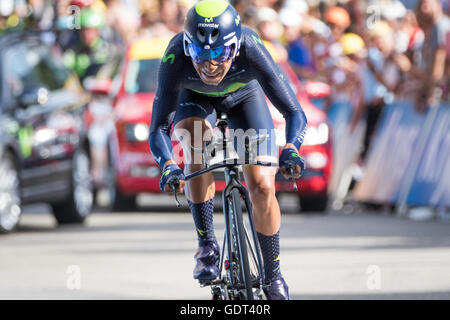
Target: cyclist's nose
{"x": 212, "y": 65}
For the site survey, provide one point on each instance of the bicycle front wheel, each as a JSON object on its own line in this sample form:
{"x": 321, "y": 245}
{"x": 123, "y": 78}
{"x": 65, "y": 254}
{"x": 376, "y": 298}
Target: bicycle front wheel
{"x": 240, "y": 242}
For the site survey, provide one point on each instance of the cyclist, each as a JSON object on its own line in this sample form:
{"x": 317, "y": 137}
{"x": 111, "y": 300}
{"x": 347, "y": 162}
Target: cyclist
{"x": 213, "y": 65}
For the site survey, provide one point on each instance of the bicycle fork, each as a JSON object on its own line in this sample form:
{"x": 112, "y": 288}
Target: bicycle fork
{"x": 232, "y": 182}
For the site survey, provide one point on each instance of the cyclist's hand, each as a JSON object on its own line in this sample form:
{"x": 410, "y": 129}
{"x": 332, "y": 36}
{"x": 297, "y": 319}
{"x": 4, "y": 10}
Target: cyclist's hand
{"x": 172, "y": 175}
{"x": 290, "y": 158}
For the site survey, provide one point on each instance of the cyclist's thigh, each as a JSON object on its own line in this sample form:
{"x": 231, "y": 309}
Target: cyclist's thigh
{"x": 252, "y": 115}
{"x": 194, "y": 116}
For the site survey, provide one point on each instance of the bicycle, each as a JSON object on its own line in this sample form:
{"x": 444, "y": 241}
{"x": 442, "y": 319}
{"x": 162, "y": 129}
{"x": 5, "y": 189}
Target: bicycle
{"x": 243, "y": 278}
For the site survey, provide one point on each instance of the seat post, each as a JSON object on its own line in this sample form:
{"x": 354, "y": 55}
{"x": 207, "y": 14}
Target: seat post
{"x": 222, "y": 124}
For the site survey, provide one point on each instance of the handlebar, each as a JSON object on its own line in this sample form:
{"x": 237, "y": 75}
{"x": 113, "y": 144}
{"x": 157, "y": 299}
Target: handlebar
{"x": 227, "y": 164}
{"x": 174, "y": 182}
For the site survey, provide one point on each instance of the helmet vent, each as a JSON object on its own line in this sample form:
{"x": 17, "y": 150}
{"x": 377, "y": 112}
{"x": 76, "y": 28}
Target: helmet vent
{"x": 214, "y": 35}
{"x": 201, "y": 34}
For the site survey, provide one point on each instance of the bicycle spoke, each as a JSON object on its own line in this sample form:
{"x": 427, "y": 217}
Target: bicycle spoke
{"x": 254, "y": 260}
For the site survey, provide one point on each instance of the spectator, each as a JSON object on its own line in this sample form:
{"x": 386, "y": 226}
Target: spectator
{"x": 352, "y": 65}
{"x": 434, "y": 54}
{"x": 275, "y": 4}
{"x": 415, "y": 35}
{"x": 338, "y": 20}
{"x": 164, "y": 20}
{"x": 8, "y": 17}
{"x": 299, "y": 52}
{"x": 41, "y": 14}
{"x": 333, "y": 63}
{"x": 87, "y": 51}
{"x": 169, "y": 14}
{"x": 271, "y": 30}
{"x": 122, "y": 20}
{"x": 382, "y": 77}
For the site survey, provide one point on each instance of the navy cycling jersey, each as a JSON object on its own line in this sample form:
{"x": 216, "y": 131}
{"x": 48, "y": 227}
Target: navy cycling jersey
{"x": 176, "y": 73}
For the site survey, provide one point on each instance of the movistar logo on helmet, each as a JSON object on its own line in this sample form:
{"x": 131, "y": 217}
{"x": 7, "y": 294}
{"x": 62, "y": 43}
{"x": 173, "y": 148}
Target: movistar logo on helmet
{"x": 208, "y": 25}
{"x": 209, "y": 19}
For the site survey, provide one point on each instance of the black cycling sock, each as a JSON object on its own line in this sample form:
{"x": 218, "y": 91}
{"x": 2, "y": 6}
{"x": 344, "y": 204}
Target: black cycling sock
{"x": 270, "y": 247}
{"x": 203, "y": 220}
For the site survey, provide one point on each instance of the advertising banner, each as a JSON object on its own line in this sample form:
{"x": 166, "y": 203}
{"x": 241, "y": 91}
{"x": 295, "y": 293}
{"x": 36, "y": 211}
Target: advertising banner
{"x": 409, "y": 148}
{"x": 431, "y": 184}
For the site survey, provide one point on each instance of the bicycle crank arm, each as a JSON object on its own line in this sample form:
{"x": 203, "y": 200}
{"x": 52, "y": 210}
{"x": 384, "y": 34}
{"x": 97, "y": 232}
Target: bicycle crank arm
{"x": 215, "y": 282}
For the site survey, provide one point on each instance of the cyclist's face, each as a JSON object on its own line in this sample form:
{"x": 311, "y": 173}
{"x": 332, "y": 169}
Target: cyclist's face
{"x": 212, "y": 72}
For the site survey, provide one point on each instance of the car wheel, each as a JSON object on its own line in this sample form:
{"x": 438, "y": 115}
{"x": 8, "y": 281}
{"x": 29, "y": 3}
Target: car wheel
{"x": 79, "y": 205}
{"x": 10, "y": 209}
{"x": 314, "y": 204}
{"x": 117, "y": 200}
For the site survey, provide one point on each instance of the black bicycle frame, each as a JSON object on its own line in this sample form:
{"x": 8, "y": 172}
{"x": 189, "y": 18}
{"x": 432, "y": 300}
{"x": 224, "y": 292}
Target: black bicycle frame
{"x": 232, "y": 181}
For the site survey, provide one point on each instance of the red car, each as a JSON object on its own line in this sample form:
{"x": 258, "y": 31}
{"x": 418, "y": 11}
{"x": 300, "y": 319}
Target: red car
{"x": 134, "y": 170}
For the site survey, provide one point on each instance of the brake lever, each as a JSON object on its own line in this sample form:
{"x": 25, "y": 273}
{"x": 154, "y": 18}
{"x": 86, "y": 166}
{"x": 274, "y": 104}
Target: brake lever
{"x": 291, "y": 171}
{"x": 291, "y": 167}
{"x": 173, "y": 184}
{"x": 174, "y": 190}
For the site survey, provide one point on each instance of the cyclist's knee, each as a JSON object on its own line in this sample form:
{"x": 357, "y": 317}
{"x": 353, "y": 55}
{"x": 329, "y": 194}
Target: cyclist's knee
{"x": 262, "y": 190}
{"x": 192, "y": 133}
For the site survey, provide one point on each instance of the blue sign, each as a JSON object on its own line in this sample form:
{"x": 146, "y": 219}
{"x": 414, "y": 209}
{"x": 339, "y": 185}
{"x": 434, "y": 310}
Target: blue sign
{"x": 395, "y": 149}
{"x": 432, "y": 180}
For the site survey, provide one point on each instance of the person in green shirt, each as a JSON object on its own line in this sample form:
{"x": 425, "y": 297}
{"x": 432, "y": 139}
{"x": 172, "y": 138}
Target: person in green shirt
{"x": 88, "y": 51}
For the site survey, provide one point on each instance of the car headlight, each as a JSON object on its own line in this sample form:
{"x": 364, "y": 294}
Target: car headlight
{"x": 43, "y": 136}
{"x": 316, "y": 135}
{"x": 137, "y": 132}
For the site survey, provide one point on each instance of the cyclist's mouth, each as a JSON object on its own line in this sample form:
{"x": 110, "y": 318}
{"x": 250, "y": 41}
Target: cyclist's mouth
{"x": 211, "y": 76}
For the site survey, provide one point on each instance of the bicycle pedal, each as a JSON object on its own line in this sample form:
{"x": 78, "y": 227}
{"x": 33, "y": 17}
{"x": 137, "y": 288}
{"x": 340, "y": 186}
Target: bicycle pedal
{"x": 206, "y": 283}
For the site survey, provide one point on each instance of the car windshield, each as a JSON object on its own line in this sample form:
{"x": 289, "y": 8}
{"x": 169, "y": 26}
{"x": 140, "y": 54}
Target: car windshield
{"x": 32, "y": 66}
{"x": 142, "y": 76}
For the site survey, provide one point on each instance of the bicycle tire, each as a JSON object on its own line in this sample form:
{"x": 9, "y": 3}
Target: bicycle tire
{"x": 242, "y": 245}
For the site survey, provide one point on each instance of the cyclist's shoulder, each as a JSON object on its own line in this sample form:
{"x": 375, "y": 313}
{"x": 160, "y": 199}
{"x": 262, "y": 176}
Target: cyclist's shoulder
{"x": 251, "y": 43}
{"x": 174, "y": 59}
{"x": 249, "y": 37}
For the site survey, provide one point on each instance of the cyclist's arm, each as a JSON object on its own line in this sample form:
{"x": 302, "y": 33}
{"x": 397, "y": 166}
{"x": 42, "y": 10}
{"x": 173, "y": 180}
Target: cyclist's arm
{"x": 164, "y": 107}
{"x": 277, "y": 88}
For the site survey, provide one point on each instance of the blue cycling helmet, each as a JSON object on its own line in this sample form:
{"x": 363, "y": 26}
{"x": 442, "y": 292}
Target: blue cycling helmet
{"x": 212, "y": 31}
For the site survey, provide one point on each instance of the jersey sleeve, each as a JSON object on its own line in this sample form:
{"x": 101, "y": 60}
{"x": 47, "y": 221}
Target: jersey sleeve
{"x": 165, "y": 102}
{"x": 276, "y": 87}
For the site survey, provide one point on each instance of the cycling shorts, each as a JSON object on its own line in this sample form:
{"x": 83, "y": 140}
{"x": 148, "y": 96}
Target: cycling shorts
{"x": 248, "y": 118}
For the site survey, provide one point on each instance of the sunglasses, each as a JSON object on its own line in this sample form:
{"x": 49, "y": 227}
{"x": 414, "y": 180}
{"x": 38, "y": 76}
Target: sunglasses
{"x": 220, "y": 55}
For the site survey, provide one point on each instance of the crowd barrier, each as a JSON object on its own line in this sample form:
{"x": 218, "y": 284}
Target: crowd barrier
{"x": 346, "y": 149}
{"x": 408, "y": 163}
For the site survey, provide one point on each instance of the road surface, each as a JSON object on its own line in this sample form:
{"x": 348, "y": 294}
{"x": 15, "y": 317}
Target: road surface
{"x": 149, "y": 255}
